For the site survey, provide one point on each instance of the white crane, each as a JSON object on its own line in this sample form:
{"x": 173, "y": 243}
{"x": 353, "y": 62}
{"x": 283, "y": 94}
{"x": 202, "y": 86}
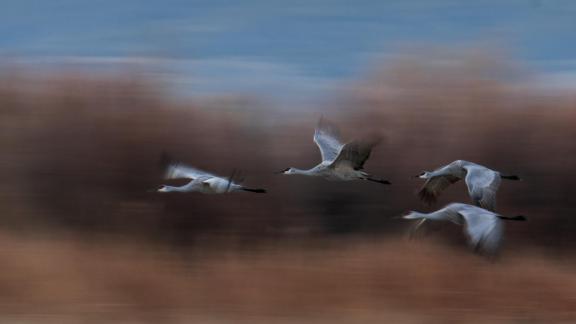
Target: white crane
{"x": 483, "y": 227}
{"x": 201, "y": 181}
{"x": 482, "y": 182}
{"x": 341, "y": 162}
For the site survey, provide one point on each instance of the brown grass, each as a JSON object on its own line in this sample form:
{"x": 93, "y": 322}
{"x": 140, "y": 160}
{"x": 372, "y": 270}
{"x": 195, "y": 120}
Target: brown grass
{"x": 350, "y": 280}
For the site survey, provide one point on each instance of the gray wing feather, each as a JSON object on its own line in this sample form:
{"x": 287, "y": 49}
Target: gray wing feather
{"x": 180, "y": 171}
{"x": 483, "y": 185}
{"x": 446, "y": 176}
{"x": 483, "y": 228}
{"x": 327, "y": 137}
{"x": 356, "y": 152}
{"x": 432, "y": 188}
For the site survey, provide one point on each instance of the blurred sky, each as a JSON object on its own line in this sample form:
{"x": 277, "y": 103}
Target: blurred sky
{"x": 280, "y": 48}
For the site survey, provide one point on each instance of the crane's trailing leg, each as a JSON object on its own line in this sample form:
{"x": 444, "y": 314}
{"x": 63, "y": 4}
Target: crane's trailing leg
{"x": 416, "y": 227}
{"x": 382, "y": 181}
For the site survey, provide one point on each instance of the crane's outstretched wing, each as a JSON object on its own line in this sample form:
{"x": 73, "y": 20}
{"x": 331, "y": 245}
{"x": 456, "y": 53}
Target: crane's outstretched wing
{"x": 327, "y": 137}
{"x": 483, "y": 228}
{"x": 483, "y": 184}
{"x": 179, "y": 171}
{"x": 356, "y": 153}
{"x": 432, "y": 188}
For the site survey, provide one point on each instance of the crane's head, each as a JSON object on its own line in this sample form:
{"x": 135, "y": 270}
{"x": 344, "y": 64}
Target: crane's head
{"x": 412, "y": 215}
{"x": 287, "y": 171}
{"x": 163, "y": 189}
{"x": 423, "y": 175}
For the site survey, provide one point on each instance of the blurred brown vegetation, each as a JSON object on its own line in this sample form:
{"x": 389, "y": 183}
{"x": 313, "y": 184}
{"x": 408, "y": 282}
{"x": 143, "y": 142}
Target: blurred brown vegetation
{"x": 81, "y": 152}
{"x": 69, "y": 280}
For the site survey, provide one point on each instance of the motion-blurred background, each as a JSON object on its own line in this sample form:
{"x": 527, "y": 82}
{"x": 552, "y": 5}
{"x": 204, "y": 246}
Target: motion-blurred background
{"x": 93, "y": 92}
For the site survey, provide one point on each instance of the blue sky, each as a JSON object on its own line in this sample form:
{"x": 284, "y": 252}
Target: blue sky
{"x": 290, "y": 47}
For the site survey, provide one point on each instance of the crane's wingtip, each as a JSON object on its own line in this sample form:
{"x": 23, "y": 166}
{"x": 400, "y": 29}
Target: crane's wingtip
{"x": 426, "y": 196}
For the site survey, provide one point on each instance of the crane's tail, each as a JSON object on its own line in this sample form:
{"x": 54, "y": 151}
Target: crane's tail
{"x": 514, "y": 218}
{"x": 253, "y": 190}
{"x": 510, "y": 177}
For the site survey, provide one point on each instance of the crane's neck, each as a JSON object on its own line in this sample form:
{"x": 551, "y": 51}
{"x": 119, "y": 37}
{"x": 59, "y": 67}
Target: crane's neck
{"x": 415, "y": 215}
{"x": 173, "y": 189}
{"x": 459, "y": 172}
{"x": 437, "y": 215}
{"x": 302, "y": 172}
